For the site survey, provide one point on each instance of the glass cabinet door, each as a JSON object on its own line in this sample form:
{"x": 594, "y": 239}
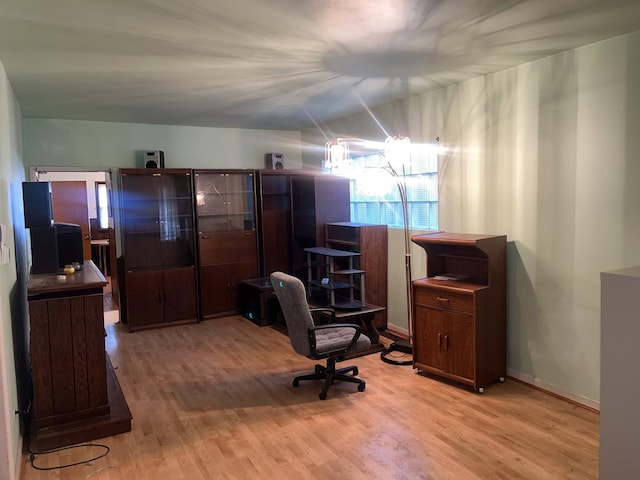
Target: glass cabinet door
{"x": 224, "y": 201}
{"x": 157, "y": 219}
{"x": 240, "y": 205}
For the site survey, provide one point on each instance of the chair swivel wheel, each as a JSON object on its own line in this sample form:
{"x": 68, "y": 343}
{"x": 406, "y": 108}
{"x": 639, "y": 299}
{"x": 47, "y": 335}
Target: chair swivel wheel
{"x": 318, "y": 368}
{"x": 361, "y": 386}
{"x": 355, "y": 371}
{"x": 323, "y": 395}
{"x": 295, "y": 382}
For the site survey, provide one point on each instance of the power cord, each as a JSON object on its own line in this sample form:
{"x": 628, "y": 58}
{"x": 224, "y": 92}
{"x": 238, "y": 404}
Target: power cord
{"x": 33, "y": 455}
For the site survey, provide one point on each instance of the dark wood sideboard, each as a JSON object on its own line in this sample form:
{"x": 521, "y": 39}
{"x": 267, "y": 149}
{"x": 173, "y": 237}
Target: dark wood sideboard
{"x": 76, "y": 395}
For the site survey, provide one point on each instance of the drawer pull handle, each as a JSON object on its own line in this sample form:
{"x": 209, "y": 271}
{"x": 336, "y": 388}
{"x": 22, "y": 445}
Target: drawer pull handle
{"x": 442, "y": 299}
{"x": 205, "y": 237}
{"x": 446, "y": 342}
{"x": 439, "y": 340}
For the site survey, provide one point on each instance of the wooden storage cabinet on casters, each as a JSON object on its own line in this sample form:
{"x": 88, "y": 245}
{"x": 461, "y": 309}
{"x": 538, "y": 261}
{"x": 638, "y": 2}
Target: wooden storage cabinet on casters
{"x": 459, "y": 309}
{"x": 162, "y": 297}
{"x": 445, "y": 342}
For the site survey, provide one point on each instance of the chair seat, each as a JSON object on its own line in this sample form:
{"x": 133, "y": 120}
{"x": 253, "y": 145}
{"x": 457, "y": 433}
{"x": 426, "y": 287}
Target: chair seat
{"x": 333, "y": 338}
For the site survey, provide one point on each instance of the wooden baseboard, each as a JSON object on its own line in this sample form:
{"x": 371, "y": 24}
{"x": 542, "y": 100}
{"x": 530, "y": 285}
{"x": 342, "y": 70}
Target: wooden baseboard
{"x": 523, "y": 379}
{"x": 562, "y": 394}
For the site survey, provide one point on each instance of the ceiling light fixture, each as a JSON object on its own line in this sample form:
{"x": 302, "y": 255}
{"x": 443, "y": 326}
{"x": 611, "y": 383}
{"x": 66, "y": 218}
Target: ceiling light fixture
{"x": 337, "y": 155}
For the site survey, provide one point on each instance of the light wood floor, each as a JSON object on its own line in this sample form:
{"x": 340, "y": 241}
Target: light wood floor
{"x": 215, "y": 400}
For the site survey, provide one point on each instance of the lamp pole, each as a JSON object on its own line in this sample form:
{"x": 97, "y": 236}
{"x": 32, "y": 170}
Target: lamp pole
{"x": 401, "y": 345}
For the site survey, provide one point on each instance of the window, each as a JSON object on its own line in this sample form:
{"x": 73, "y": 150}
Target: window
{"x": 375, "y": 197}
{"x": 102, "y": 205}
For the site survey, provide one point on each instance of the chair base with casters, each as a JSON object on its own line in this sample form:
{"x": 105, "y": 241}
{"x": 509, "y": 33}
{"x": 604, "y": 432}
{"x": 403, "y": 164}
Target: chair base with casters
{"x": 330, "y": 374}
{"x": 333, "y": 341}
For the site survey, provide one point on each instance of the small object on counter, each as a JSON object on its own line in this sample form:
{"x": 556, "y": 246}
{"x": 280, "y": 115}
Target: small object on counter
{"x": 76, "y": 266}
{"x": 68, "y": 269}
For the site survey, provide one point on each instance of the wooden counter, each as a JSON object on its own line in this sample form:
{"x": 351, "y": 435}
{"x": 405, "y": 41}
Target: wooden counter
{"x": 74, "y": 387}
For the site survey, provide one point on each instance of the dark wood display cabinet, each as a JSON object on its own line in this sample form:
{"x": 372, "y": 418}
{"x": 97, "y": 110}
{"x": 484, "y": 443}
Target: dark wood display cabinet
{"x": 459, "y": 309}
{"x": 227, "y": 240}
{"x": 156, "y": 217}
{"x": 273, "y": 189}
{"x": 371, "y": 242}
{"x": 315, "y": 201}
{"x": 293, "y": 207}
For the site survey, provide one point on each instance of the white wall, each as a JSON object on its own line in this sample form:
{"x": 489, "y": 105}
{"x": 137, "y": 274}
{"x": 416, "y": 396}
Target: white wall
{"x": 70, "y": 143}
{"x": 12, "y": 295}
{"x": 546, "y": 153}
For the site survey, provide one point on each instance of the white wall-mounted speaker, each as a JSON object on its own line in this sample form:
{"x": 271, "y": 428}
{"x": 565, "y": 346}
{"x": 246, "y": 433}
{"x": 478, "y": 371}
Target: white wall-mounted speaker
{"x": 274, "y": 161}
{"x": 153, "y": 159}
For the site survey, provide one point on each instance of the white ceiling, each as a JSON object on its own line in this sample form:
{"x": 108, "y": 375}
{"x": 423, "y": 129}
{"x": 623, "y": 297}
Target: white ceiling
{"x": 275, "y": 64}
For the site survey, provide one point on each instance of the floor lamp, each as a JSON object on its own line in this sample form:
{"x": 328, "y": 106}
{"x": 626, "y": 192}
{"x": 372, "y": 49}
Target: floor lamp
{"x": 396, "y": 152}
{"x": 401, "y": 345}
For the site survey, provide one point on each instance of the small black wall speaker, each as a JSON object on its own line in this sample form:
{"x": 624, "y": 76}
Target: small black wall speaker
{"x": 38, "y": 207}
{"x": 153, "y": 159}
{"x": 274, "y": 161}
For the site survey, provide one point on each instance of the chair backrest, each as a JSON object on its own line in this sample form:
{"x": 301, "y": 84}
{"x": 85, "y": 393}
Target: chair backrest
{"x": 292, "y": 297}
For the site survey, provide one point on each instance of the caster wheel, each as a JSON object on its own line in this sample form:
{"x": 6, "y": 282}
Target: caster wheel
{"x": 355, "y": 372}
{"x": 296, "y": 383}
{"x": 318, "y": 369}
{"x": 361, "y": 386}
{"x": 323, "y": 395}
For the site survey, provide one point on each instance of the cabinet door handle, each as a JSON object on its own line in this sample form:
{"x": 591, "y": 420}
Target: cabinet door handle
{"x": 164, "y": 296}
{"x": 446, "y": 342}
{"x": 205, "y": 237}
{"x": 442, "y": 299}
{"x": 439, "y": 340}
{"x": 159, "y": 297}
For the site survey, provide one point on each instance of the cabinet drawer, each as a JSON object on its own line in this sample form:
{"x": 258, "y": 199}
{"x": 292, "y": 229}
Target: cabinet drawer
{"x": 445, "y": 299}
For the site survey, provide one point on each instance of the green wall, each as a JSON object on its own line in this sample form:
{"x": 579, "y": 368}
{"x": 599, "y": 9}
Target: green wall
{"x": 70, "y": 143}
{"x": 13, "y": 303}
{"x": 546, "y": 153}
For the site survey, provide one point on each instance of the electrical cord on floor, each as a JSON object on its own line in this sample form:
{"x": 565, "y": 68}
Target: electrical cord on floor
{"x": 33, "y": 455}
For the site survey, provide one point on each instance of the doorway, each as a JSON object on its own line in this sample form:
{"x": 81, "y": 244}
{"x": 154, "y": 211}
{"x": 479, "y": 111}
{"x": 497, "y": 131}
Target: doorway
{"x": 75, "y": 200}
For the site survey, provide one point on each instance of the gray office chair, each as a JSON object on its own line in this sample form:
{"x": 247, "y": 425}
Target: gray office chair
{"x": 333, "y": 341}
